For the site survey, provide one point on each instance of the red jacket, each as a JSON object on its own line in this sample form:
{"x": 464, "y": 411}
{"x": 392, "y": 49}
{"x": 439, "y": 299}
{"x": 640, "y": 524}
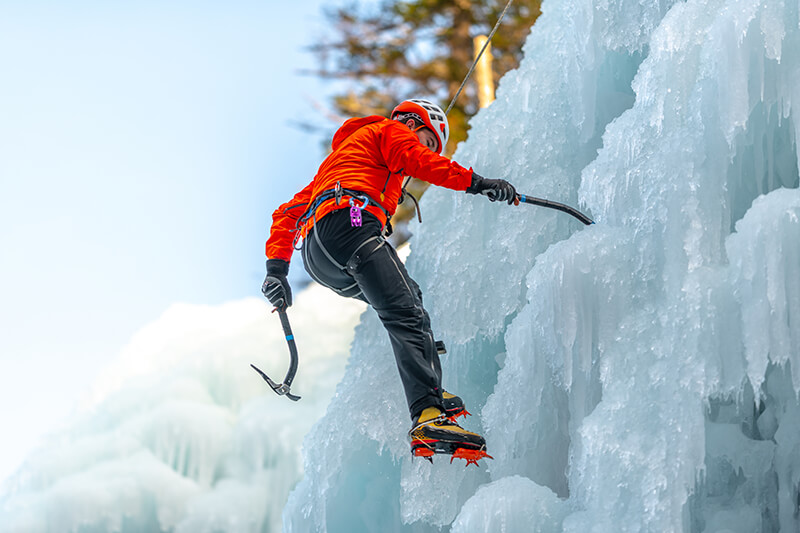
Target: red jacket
{"x": 370, "y": 155}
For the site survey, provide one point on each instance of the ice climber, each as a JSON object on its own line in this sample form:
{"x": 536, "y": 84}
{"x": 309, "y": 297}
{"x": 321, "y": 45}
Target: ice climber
{"x": 343, "y": 216}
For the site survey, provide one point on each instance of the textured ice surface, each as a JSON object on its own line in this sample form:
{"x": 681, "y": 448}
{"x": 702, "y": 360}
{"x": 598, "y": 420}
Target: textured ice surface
{"x": 636, "y": 375}
{"x": 182, "y": 435}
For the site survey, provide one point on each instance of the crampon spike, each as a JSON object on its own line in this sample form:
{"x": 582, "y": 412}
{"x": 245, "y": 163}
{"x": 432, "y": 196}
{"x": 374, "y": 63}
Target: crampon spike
{"x": 454, "y": 418}
{"x": 425, "y": 453}
{"x": 463, "y": 413}
{"x": 471, "y": 456}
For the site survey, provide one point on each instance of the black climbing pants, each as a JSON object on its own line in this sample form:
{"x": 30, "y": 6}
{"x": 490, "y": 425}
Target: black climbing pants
{"x": 358, "y": 263}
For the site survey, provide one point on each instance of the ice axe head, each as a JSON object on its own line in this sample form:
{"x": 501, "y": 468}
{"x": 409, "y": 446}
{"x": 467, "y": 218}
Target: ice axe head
{"x": 281, "y": 389}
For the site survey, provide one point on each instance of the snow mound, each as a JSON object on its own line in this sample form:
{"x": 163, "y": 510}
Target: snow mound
{"x": 180, "y": 434}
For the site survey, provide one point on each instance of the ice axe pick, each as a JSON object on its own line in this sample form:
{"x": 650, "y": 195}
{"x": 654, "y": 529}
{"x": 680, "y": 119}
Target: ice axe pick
{"x": 524, "y": 198}
{"x": 282, "y": 389}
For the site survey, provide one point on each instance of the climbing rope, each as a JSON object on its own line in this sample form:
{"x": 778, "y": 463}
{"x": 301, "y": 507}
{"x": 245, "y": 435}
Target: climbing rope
{"x": 474, "y": 63}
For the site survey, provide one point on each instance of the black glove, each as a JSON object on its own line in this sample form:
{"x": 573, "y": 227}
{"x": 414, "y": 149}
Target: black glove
{"x": 495, "y": 189}
{"x": 276, "y": 287}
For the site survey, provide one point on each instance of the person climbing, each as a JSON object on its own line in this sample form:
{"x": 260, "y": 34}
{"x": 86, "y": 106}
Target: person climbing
{"x": 342, "y": 218}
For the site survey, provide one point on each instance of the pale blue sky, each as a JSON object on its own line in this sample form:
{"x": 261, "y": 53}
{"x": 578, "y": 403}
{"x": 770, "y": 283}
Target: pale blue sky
{"x": 143, "y": 147}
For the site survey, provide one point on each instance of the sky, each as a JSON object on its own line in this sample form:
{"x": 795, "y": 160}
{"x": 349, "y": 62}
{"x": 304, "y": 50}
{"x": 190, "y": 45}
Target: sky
{"x": 143, "y": 148}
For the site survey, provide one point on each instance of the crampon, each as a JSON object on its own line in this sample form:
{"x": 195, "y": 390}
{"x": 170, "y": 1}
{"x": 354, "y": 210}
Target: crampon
{"x": 424, "y": 450}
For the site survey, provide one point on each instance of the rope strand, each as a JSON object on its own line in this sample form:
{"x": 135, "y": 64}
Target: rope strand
{"x": 488, "y": 40}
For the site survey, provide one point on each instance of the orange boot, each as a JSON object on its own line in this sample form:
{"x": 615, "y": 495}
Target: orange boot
{"x": 433, "y": 432}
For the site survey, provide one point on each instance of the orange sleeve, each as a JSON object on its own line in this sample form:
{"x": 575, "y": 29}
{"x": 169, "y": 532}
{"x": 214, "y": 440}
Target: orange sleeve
{"x": 404, "y": 153}
{"x": 284, "y": 225}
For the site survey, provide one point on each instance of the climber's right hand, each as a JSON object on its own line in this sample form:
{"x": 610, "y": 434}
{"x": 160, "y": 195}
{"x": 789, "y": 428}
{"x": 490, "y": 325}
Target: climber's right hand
{"x": 496, "y": 190}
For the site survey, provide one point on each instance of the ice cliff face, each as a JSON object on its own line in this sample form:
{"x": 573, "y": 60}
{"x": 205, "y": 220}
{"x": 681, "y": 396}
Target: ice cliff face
{"x": 636, "y": 375}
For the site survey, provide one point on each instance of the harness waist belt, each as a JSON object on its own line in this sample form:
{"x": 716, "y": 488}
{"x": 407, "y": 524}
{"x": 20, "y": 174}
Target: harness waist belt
{"x": 338, "y": 194}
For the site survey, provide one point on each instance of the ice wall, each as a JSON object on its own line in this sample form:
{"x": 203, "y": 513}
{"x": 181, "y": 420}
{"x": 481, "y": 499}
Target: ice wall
{"x": 180, "y": 435}
{"x": 637, "y": 375}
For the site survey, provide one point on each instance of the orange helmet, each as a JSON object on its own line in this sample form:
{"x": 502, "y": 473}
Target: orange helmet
{"x": 430, "y": 114}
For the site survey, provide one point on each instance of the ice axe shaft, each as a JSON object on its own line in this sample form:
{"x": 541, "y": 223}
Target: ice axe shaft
{"x": 282, "y": 389}
{"x": 555, "y": 205}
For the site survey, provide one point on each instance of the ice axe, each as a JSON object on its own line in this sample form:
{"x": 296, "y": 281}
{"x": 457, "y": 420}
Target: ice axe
{"x": 555, "y": 205}
{"x": 282, "y": 389}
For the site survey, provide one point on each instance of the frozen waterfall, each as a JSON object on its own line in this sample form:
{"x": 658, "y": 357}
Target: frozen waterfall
{"x": 638, "y": 375}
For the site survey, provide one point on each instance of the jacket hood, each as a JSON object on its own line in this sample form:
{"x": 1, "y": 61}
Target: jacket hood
{"x": 350, "y": 126}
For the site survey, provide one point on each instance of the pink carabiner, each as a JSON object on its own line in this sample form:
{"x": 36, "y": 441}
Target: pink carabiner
{"x": 355, "y": 217}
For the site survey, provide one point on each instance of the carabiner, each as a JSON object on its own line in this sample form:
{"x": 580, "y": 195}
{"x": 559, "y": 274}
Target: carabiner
{"x": 355, "y": 212}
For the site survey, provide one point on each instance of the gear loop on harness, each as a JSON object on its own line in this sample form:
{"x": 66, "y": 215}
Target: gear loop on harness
{"x": 337, "y": 192}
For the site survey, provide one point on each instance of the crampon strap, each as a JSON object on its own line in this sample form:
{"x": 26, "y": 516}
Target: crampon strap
{"x": 463, "y": 412}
